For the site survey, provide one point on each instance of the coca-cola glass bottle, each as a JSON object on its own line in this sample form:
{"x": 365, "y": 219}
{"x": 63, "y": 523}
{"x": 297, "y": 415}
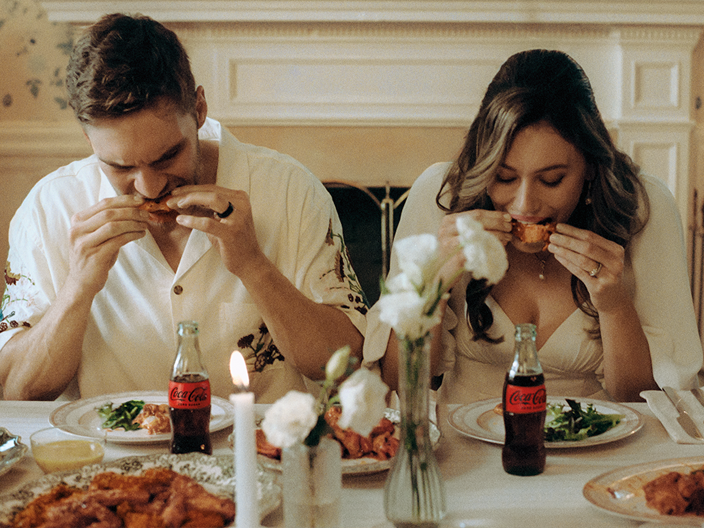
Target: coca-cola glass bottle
{"x": 524, "y": 406}
{"x": 189, "y": 395}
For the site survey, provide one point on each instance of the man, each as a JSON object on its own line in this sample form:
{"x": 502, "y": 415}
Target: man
{"x": 96, "y": 285}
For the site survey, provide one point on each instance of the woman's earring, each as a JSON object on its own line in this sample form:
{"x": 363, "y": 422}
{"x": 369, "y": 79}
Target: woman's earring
{"x": 588, "y": 199}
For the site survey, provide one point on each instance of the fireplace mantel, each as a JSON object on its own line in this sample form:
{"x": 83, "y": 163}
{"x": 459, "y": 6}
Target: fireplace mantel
{"x": 658, "y": 12}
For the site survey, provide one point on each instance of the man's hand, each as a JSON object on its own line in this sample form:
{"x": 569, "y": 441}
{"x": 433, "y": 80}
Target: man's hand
{"x": 234, "y": 235}
{"x": 96, "y": 236}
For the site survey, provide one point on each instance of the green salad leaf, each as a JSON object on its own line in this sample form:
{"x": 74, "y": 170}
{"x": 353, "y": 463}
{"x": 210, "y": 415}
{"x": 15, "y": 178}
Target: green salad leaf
{"x": 574, "y": 423}
{"x": 122, "y": 416}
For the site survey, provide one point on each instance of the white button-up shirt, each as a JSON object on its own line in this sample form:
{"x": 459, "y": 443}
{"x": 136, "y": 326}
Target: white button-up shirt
{"x": 131, "y": 339}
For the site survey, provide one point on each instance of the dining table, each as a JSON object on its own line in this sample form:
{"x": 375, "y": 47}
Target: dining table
{"x": 479, "y": 493}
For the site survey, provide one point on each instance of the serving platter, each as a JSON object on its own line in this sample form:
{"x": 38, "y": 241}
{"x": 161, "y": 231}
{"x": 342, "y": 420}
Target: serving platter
{"x": 364, "y": 465}
{"x": 12, "y": 450}
{"x": 620, "y": 491}
{"x": 478, "y": 420}
{"x": 83, "y": 412}
{"x": 215, "y": 473}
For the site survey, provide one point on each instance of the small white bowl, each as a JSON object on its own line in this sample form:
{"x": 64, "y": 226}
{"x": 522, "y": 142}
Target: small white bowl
{"x": 60, "y": 449}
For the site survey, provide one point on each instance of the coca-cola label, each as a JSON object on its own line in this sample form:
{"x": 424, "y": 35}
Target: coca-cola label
{"x": 524, "y": 400}
{"x": 189, "y": 395}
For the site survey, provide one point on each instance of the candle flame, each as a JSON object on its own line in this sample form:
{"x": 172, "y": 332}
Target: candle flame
{"x": 238, "y": 371}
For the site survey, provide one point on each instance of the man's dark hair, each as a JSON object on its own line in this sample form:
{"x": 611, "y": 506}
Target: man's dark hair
{"x": 125, "y": 64}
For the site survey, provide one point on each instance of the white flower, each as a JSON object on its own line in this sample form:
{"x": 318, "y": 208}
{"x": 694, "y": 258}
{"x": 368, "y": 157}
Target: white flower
{"x": 290, "y": 419}
{"x": 400, "y": 283}
{"x": 485, "y": 256}
{"x": 416, "y": 254}
{"x": 362, "y": 399}
{"x": 405, "y": 313}
{"x": 337, "y": 364}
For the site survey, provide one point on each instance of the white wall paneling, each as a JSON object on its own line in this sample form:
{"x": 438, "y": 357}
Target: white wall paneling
{"x": 426, "y": 63}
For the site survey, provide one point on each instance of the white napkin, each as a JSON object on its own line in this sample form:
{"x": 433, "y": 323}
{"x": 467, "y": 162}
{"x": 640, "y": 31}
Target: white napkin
{"x": 666, "y": 412}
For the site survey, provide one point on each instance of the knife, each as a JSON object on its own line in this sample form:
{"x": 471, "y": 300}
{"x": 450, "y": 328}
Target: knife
{"x": 683, "y": 419}
{"x": 698, "y": 395}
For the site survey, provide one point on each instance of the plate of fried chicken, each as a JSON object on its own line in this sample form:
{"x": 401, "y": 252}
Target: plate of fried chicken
{"x": 360, "y": 455}
{"x": 175, "y": 490}
{"x": 663, "y": 491}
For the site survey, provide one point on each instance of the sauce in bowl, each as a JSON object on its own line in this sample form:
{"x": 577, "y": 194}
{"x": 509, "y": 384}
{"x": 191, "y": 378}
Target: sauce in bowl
{"x": 62, "y": 455}
{"x": 56, "y": 449}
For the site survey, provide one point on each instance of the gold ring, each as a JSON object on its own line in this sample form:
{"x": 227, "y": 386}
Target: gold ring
{"x": 595, "y": 271}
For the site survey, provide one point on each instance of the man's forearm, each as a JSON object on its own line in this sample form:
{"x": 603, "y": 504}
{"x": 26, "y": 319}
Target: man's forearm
{"x": 38, "y": 363}
{"x": 305, "y": 332}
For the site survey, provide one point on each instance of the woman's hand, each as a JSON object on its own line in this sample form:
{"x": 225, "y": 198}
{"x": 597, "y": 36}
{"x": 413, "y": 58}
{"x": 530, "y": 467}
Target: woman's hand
{"x": 597, "y": 262}
{"x": 494, "y": 222}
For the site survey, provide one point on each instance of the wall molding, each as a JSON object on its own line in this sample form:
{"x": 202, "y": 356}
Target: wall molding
{"x": 22, "y": 139}
{"x": 675, "y": 12}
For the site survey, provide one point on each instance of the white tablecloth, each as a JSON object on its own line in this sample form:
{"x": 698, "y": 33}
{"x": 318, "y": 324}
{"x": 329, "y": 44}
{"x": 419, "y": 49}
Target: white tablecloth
{"x": 479, "y": 493}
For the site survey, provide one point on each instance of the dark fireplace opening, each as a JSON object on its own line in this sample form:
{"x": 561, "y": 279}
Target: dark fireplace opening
{"x": 361, "y": 217}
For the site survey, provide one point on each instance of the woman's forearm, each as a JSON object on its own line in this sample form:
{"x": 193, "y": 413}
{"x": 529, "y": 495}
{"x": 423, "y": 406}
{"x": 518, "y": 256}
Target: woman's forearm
{"x": 628, "y": 368}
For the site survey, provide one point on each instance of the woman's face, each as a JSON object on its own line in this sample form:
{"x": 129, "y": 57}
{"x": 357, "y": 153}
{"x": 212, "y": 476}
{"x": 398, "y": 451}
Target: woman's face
{"x": 540, "y": 179}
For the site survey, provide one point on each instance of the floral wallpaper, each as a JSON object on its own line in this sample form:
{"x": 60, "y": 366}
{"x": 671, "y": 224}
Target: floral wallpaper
{"x": 33, "y": 57}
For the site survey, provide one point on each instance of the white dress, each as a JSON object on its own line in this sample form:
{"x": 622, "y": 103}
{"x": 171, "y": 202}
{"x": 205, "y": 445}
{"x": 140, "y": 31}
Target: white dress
{"x": 655, "y": 274}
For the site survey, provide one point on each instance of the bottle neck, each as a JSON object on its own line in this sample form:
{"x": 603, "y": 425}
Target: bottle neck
{"x": 525, "y": 359}
{"x": 188, "y": 361}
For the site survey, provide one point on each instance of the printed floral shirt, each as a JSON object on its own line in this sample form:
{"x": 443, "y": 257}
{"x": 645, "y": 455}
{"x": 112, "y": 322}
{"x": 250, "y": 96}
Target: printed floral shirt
{"x": 130, "y": 341}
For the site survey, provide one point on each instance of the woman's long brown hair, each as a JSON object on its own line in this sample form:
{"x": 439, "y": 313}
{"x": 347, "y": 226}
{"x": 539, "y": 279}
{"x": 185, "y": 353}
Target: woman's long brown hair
{"x": 545, "y": 86}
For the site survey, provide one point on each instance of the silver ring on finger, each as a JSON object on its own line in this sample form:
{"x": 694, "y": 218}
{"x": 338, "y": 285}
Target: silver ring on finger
{"x": 595, "y": 271}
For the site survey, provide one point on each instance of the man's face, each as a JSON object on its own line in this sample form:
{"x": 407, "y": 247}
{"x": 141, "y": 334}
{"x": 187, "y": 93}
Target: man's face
{"x": 150, "y": 152}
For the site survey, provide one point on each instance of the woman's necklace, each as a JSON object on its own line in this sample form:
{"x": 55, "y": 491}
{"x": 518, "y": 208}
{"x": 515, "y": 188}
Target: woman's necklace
{"x": 542, "y": 262}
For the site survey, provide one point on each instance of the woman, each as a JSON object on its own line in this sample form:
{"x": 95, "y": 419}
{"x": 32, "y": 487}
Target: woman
{"x": 609, "y": 293}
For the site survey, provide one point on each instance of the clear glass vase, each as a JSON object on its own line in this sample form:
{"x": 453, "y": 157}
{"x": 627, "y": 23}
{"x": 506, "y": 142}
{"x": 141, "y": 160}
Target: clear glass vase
{"x": 312, "y": 484}
{"x": 414, "y": 495}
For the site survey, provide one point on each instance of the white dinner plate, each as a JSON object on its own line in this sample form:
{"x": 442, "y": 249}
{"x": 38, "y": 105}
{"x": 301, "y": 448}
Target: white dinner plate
{"x": 364, "y": 465}
{"x": 215, "y": 473}
{"x": 620, "y": 491}
{"x": 83, "y": 412}
{"x": 12, "y": 450}
{"x": 478, "y": 420}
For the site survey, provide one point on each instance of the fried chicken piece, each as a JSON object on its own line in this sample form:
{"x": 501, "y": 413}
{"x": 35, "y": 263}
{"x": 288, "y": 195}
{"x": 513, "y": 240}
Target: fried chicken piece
{"x": 81, "y": 510}
{"x": 154, "y": 418}
{"x": 332, "y": 416}
{"x": 200, "y": 519}
{"x": 691, "y": 487}
{"x": 153, "y": 480}
{"x": 265, "y": 448}
{"x": 159, "y": 210}
{"x": 533, "y": 233}
{"x": 350, "y": 440}
{"x": 379, "y": 444}
{"x": 662, "y": 494}
{"x": 34, "y": 514}
{"x": 198, "y": 498}
{"x": 385, "y": 446}
{"x": 161, "y": 498}
{"x": 141, "y": 520}
{"x": 384, "y": 426}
